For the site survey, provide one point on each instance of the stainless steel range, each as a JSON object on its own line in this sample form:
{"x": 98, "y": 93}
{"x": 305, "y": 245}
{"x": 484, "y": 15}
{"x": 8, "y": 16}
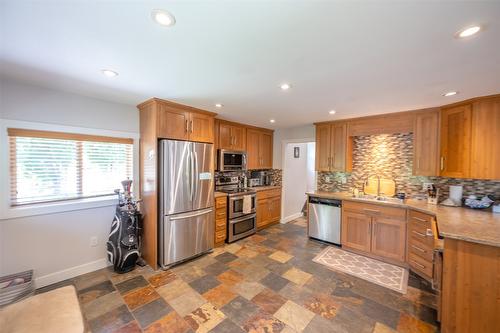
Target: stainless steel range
{"x": 241, "y": 208}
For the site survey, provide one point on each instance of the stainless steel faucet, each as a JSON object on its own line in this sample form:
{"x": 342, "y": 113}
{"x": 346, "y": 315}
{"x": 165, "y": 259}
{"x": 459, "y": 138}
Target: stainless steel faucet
{"x": 378, "y": 183}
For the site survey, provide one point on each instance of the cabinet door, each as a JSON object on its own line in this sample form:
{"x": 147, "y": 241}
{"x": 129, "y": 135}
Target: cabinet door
{"x": 266, "y": 150}
{"x": 455, "y": 141}
{"x": 323, "y": 147}
{"x": 425, "y": 144}
{"x": 356, "y": 231}
{"x": 172, "y": 123}
{"x": 239, "y": 138}
{"x": 389, "y": 238}
{"x": 201, "y": 128}
{"x": 262, "y": 213}
{"x": 253, "y": 151}
{"x": 275, "y": 209}
{"x": 338, "y": 146}
{"x": 225, "y": 138}
{"x": 485, "y": 150}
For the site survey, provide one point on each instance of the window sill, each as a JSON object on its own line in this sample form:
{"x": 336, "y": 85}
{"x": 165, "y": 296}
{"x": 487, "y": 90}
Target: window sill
{"x": 58, "y": 207}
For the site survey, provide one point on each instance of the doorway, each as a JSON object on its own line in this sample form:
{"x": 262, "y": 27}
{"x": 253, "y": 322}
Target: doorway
{"x": 299, "y": 177}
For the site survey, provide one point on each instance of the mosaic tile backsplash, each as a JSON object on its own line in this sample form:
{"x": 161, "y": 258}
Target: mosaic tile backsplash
{"x": 391, "y": 156}
{"x": 276, "y": 175}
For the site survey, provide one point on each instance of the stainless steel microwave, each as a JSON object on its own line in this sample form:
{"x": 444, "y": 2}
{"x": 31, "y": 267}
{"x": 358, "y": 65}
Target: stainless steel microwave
{"x": 229, "y": 160}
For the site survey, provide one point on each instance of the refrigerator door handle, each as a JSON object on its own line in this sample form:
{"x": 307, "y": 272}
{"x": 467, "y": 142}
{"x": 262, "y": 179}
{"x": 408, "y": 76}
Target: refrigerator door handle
{"x": 189, "y": 215}
{"x": 195, "y": 174}
{"x": 191, "y": 160}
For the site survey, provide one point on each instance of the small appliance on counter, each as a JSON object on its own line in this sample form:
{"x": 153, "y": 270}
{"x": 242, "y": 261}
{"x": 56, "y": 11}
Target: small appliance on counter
{"x": 252, "y": 182}
{"x": 455, "y": 198}
{"x": 263, "y": 176}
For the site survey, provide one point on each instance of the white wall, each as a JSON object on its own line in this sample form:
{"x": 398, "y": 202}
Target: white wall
{"x": 295, "y": 181}
{"x": 57, "y": 245}
{"x": 311, "y": 164}
{"x": 293, "y": 133}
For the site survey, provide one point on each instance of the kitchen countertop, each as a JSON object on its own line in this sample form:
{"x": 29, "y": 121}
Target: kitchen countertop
{"x": 478, "y": 226}
{"x": 218, "y": 194}
{"x": 265, "y": 188}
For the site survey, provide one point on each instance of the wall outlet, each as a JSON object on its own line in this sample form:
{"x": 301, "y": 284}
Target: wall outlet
{"x": 93, "y": 241}
{"x": 343, "y": 180}
{"x": 426, "y": 186}
{"x": 328, "y": 179}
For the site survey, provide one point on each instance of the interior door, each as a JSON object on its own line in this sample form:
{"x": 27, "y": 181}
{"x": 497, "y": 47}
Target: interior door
{"x": 175, "y": 177}
{"x": 186, "y": 235}
{"x": 203, "y": 171}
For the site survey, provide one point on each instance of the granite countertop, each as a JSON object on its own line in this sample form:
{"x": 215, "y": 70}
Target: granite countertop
{"x": 218, "y": 194}
{"x": 478, "y": 226}
{"x": 265, "y": 188}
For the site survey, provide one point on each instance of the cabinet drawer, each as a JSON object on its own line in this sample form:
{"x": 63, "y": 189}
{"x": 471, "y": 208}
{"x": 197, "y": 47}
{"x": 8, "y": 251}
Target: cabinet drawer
{"x": 420, "y": 249}
{"x": 420, "y": 265}
{"x": 220, "y": 214}
{"x": 424, "y": 219}
{"x": 220, "y": 236}
{"x": 276, "y": 192}
{"x": 420, "y": 233}
{"x": 221, "y": 202}
{"x": 220, "y": 224}
{"x": 375, "y": 210}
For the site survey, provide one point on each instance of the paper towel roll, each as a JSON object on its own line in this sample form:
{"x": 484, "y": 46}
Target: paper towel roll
{"x": 456, "y": 192}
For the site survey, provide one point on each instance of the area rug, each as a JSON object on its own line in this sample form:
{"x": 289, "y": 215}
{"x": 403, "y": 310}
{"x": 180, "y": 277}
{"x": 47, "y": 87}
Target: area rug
{"x": 385, "y": 275}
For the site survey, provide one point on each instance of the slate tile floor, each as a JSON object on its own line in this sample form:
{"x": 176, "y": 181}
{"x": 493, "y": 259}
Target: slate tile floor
{"x": 265, "y": 283}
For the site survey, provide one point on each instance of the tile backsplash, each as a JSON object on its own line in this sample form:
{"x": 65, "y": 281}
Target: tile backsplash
{"x": 391, "y": 156}
{"x": 276, "y": 175}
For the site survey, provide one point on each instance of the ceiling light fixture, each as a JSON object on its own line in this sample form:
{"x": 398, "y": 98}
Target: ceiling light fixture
{"x": 108, "y": 73}
{"x": 332, "y": 112}
{"x": 469, "y": 31}
{"x": 218, "y": 105}
{"x": 162, "y": 17}
{"x": 450, "y": 93}
{"x": 285, "y": 86}
{"x": 272, "y": 121}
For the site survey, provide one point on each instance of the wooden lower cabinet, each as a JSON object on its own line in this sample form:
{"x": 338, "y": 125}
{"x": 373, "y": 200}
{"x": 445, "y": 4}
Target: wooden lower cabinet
{"x": 379, "y": 232}
{"x": 220, "y": 221}
{"x": 268, "y": 208}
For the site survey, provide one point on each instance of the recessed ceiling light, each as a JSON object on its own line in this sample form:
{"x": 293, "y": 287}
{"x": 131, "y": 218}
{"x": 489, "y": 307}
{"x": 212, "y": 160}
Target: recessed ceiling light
{"x": 450, "y": 93}
{"x": 218, "y": 105}
{"x": 272, "y": 121}
{"x": 162, "y": 17}
{"x": 332, "y": 112}
{"x": 469, "y": 31}
{"x": 285, "y": 86}
{"x": 109, "y": 73}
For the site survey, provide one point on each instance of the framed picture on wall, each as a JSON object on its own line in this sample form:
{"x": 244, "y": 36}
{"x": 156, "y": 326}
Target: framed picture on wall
{"x": 296, "y": 152}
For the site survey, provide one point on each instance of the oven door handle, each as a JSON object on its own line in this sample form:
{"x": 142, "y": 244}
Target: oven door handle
{"x": 243, "y": 218}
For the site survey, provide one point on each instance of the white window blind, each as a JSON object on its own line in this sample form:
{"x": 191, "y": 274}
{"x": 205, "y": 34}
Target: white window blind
{"x": 53, "y": 166}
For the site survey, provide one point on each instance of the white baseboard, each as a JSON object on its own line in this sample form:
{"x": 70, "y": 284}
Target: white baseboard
{"x": 69, "y": 273}
{"x": 291, "y": 217}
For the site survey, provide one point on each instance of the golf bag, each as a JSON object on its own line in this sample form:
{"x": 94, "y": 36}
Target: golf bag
{"x": 124, "y": 241}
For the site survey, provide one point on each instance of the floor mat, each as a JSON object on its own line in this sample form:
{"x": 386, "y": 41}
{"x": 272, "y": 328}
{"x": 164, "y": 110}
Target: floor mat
{"x": 383, "y": 274}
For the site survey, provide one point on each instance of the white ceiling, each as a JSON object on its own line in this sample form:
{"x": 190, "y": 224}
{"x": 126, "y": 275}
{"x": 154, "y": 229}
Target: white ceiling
{"x": 356, "y": 57}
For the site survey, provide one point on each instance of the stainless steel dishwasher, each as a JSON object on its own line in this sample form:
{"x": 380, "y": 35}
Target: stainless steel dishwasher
{"x": 325, "y": 219}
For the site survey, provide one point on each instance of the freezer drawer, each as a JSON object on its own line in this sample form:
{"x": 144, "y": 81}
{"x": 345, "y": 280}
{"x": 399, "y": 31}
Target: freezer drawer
{"x": 185, "y": 235}
{"x": 325, "y": 219}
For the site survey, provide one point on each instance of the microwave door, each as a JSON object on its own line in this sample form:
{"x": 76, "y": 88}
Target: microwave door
{"x": 203, "y": 170}
{"x": 176, "y": 195}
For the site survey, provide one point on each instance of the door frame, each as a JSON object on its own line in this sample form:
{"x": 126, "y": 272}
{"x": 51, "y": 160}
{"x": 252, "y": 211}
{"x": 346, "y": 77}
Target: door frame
{"x": 283, "y": 165}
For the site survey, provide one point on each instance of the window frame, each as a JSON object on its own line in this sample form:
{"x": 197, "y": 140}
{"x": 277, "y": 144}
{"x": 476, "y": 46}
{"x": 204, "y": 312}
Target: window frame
{"x": 7, "y": 211}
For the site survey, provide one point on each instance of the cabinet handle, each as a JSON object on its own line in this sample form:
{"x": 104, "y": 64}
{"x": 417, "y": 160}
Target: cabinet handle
{"x": 418, "y": 233}
{"x": 442, "y": 163}
{"x": 371, "y": 211}
{"x": 419, "y": 219}
{"x": 187, "y": 124}
{"x": 418, "y": 249}
{"x": 418, "y": 264}
{"x": 191, "y": 126}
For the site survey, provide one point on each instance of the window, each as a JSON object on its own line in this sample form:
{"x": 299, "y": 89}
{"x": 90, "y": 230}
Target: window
{"x": 53, "y": 166}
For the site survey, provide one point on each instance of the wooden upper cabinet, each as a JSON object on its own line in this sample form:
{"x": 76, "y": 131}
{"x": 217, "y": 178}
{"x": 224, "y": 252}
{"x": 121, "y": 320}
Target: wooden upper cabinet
{"x": 456, "y": 141}
{"x": 232, "y": 136}
{"x": 426, "y": 144}
{"x": 338, "y": 145}
{"x": 201, "y": 127}
{"x": 389, "y": 238}
{"x": 331, "y": 147}
{"x": 172, "y": 123}
{"x": 179, "y": 122}
{"x": 259, "y": 149}
{"x": 356, "y": 231}
{"x": 485, "y": 150}
{"x": 323, "y": 147}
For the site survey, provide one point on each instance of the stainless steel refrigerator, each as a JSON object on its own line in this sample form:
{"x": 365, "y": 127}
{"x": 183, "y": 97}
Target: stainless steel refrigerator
{"x": 186, "y": 192}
